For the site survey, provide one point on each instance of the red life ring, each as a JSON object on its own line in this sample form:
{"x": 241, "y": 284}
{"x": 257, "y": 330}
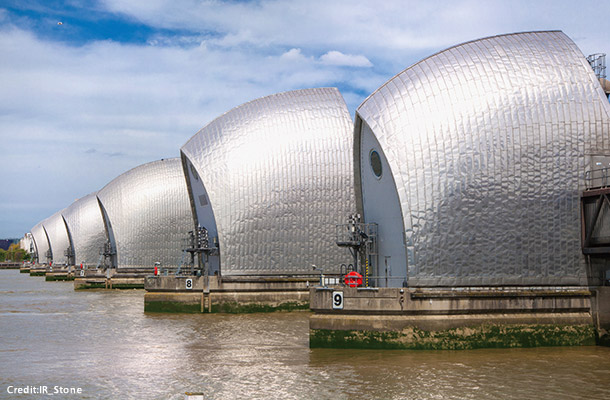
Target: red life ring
{"x": 353, "y": 279}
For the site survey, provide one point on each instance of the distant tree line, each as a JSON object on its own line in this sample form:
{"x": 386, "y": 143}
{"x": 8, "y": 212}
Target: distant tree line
{"x": 14, "y": 254}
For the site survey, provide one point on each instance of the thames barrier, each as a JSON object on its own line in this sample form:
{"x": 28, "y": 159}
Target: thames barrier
{"x": 466, "y": 206}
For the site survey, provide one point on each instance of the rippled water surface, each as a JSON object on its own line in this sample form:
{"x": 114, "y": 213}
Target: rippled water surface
{"x": 105, "y": 344}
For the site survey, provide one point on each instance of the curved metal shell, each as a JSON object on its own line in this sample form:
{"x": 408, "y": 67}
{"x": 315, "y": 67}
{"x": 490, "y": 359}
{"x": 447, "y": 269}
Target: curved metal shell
{"x": 55, "y": 226}
{"x": 41, "y": 243}
{"x": 86, "y": 229}
{"x": 148, "y": 214}
{"x": 26, "y": 243}
{"x": 277, "y": 172}
{"x": 488, "y": 143}
{"x": 29, "y": 243}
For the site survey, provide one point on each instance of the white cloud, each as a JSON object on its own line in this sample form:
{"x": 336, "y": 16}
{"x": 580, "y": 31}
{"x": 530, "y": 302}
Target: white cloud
{"x": 132, "y": 104}
{"x": 293, "y": 55}
{"x": 347, "y": 60}
{"x": 391, "y": 30}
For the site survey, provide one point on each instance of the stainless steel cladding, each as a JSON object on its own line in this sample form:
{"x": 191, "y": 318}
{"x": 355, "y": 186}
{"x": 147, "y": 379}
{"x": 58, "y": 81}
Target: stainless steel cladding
{"x": 277, "y": 173}
{"x": 148, "y": 214}
{"x": 488, "y": 143}
{"x": 29, "y": 243}
{"x": 55, "y": 226}
{"x": 86, "y": 230}
{"x": 26, "y": 243}
{"x": 41, "y": 243}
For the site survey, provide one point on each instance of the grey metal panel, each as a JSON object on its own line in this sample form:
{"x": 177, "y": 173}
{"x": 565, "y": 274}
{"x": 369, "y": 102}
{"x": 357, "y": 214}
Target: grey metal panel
{"x": 29, "y": 243}
{"x": 149, "y": 211}
{"x": 380, "y": 204}
{"x": 203, "y": 212}
{"x": 57, "y": 233}
{"x": 488, "y": 142}
{"x": 41, "y": 242}
{"x": 86, "y": 229}
{"x": 278, "y": 173}
{"x": 23, "y": 243}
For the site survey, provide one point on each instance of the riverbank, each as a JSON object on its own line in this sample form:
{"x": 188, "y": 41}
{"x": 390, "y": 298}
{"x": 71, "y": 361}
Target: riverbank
{"x": 10, "y": 265}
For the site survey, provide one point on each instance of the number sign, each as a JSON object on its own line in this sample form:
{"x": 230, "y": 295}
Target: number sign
{"x": 337, "y": 300}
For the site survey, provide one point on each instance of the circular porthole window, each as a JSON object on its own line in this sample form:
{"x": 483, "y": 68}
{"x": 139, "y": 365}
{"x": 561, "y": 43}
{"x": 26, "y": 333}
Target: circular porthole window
{"x": 375, "y": 163}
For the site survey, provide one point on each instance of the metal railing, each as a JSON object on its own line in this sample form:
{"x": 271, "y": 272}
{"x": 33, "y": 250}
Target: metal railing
{"x": 181, "y": 270}
{"x": 357, "y": 234}
{"x": 597, "y": 178}
{"x": 373, "y": 281}
{"x": 597, "y": 62}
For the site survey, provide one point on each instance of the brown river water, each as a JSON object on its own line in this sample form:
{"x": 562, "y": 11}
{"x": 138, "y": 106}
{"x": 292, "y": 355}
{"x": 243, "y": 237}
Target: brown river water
{"x": 103, "y": 345}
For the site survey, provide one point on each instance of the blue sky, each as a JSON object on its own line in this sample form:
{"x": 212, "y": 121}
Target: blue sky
{"x": 120, "y": 83}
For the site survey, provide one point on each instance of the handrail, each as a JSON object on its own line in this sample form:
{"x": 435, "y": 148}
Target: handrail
{"x": 378, "y": 279}
{"x": 597, "y": 178}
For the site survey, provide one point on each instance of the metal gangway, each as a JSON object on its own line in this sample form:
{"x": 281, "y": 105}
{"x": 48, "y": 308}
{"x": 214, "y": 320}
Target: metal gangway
{"x": 196, "y": 243}
{"x": 597, "y": 178}
{"x": 361, "y": 240}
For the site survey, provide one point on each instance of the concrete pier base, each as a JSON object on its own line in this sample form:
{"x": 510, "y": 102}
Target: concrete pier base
{"x": 460, "y": 318}
{"x": 38, "y": 271}
{"x": 602, "y": 314}
{"x": 189, "y": 294}
{"x": 59, "y": 274}
{"x": 24, "y": 270}
{"x": 98, "y": 279}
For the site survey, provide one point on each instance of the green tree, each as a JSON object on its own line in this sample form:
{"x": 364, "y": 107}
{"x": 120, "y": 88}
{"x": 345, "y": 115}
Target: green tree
{"x": 2, "y": 255}
{"x": 15, "y": 253}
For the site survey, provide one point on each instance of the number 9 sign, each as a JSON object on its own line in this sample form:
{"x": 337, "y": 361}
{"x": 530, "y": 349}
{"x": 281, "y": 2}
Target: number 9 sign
{"x": 337, "y": 300}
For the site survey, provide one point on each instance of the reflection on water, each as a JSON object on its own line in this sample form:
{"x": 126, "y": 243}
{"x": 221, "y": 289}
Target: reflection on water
{"x": 103, "y": 342}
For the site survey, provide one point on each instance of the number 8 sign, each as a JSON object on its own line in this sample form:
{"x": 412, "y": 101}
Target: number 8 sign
{"x": 189, "y": 283}
{"x": 337, "y": 300}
